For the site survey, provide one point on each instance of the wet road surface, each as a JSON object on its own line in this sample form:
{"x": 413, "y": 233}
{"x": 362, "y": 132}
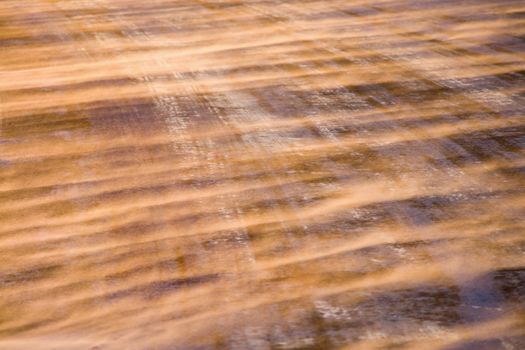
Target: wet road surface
{"x": 262, "y": 174}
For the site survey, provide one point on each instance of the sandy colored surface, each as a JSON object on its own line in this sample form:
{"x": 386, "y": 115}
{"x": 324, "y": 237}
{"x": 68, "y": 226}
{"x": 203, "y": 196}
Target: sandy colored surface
{"x": 260, "y": 174}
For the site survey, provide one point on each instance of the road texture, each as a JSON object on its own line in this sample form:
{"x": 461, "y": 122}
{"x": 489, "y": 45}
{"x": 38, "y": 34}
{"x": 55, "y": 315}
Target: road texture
{"x": 262, "y": 174}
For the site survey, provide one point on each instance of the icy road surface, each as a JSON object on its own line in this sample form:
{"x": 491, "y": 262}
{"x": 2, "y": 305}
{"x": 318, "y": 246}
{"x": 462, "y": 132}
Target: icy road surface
{"x": 262, "y": 174}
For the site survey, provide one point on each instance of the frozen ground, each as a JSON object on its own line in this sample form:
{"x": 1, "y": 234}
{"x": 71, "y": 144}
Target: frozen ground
{"x": 262, "y": 174}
